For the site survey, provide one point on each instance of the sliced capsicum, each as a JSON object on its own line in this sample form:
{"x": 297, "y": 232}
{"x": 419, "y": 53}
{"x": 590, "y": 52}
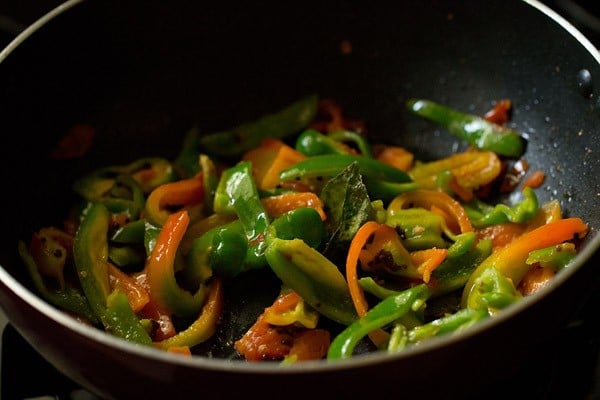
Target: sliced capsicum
{"x": 470, "y": 169}
{"x": 147, "y": 172}
{"x": 235, "y": 141}
{"x": 90, "y": 252}
{"x": 385, "y": 312}
{"x": 313, "y": 143}
{"x": 477, "y": 131}
{"x": 510, "y": 262}
{"x": 482, "y": 215}
{"x": 226, "y": 251}
{"x": 173, "y": 196}
{"x": 202, "y": 328}
{"x": 68, "y": 297}
{"x": 316, "y": 279}
{"x": 329, "y": 165}
{"x": 164, "y": 288}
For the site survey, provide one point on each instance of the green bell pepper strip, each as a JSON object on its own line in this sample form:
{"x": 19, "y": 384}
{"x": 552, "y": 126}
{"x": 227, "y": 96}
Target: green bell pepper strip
{"x": 126, "y": 256}
{"x": 556, "y": 257}
{"x": 450, "y": 275}
{"x": 210, "y": 182}
{"x": 482, "y": 215}
{"x": 463, "y": 242}
{"x": 493, "y": 292}
{"x": 69, "y": 298}
{"x": 229, "y": 250}
{"x": 362, "y": 144}
{"x": 121, "y": 320}
{"x": 239, "y": 187}
{"x": 124, "y": 196}
{"x": 456, "y": 322}
{"x": 313, "y": 143}
{"x": 385, "y": 312}
{"x": 316, "y": 279}
{"x": 232, "y": 143}
{"x": 511, "y": 260}
{"x": 329, "y": 165}
{"x": 369, "y": 285}
{"x": 130, "y": 233}
{"x": 151, "y": 232}
{"x": 454, "y": 272}
{"x": 147, "y": 172}
{"x": 477, "y": 131}
{"x": 204, "y": 326}
{"x": 225, "y": 249}
{"x": 421, "y": 228}
{"x": 90, "y": 252}
{"x": 401, "y": 337}
{"x": 304, "y": 223}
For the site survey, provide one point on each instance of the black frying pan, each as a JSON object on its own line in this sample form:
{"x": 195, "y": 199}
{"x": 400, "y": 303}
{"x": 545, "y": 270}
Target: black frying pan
{"x": 143, "y": 72}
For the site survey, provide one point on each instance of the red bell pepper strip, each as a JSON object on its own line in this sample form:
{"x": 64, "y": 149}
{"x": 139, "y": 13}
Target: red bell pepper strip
{"x": 183, "y": 193}
{"x": 164, "y": 289}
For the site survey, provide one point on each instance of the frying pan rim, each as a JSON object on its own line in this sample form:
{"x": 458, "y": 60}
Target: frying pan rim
{"x": 230, "y": 366}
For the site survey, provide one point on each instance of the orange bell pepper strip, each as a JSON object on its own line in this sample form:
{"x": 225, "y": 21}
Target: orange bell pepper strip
{"x": 202, "y": 328}
{"x": 378, "y": 336}
{"x": 309, "y": 344}
{"x": 397, "y": 157}
{"x": 431, "y": 200}
{"x": 536, "y": 278}
{"x": 428, "y": 260}
{"x": 160, "y": 274}
{"x": 510, "y": 261}
{"x": 276, "y": 206}
{"x": 181, "y": 350}
{"x": 269, "y": 159}
{"x": 164, "y": 198}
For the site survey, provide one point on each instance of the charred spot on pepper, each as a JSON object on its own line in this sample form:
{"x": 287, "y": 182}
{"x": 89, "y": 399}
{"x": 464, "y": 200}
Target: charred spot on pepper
{"x": 382, "y": 261}
{"x": 401, "y": 233}
{"x": 172, "y": 208}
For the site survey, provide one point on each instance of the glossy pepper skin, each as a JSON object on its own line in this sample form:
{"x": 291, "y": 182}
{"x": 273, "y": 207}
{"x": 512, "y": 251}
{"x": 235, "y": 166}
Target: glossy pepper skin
{"x": 509, "y": 264}
{"x": 69, "y": 298}
{"x": 477, "y": 131}
{"x": 385, "y": 312}
{"x": 316, "y": 279}
{"x": 147, "y": 172}
{"x": 238, "y": 190}
{"x": 482, "y": 215}
{"x": 313, "y": 143}
{"x": 329, "y": 165}
{"x": 240, "y": 245}
{"x": 90, "y": 251}
{"x": 225, "y": 249}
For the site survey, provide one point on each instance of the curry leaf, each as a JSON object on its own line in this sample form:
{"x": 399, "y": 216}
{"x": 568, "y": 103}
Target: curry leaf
{"x": 348, "y": 207}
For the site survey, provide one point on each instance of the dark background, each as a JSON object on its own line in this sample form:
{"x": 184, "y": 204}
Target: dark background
{"x": 568, "y": 368}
